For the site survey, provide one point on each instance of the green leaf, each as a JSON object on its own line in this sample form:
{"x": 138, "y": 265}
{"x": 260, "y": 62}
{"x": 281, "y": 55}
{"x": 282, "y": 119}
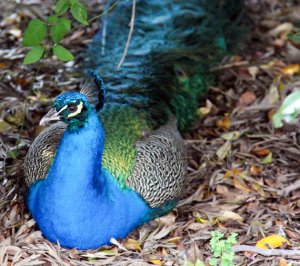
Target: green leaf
{"x": 34, "y": 55}
{"x": 79, "y": 13}
{"x": 35, "y": 33}
{"x": 268, "y": 159}
{"x": 52, "y": 19}
{"x": 59, "y": 30}
{"x": 62, "y": 53}
{"x": 73, "y": 2}
{"x": 213, "y": 261}
{"x": 62, "y": 7}
{"x": 295, "y": 37}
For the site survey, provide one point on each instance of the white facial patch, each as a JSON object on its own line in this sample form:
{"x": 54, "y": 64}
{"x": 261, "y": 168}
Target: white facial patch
{"x": 78, "y": 111}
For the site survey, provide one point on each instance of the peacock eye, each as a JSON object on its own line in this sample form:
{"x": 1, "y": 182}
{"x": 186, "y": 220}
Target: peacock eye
{"x": 72, "y": 108}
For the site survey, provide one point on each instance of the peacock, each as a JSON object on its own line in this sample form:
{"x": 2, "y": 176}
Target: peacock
{"x": 114, "y": 159}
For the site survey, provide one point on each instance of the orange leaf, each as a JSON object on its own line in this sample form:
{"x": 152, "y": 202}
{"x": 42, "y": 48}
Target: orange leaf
{"x": 225, "y": 122}
{"x": 254, "y": 169}
{"x": 261, "y": 152}
{"x": 273, "y": 241}
{"x": 234, "y": 172}
{"x": 291, "y": 69}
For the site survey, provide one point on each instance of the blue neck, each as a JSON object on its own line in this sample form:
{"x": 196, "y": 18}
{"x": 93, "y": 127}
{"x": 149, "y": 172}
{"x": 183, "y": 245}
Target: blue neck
{"x": 80, "y": 204}
{"x": 77, "y": 164}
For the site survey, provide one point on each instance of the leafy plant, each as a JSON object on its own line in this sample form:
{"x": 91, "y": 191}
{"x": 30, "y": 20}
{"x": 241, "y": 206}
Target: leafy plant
{"x": 288, "y": 111}
{"x": 44, "y": 36}
{"x": 222, "y": 249}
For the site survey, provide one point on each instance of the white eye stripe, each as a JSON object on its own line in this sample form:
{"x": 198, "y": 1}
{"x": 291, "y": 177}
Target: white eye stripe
{"x": 78, "y": 111}
{"x": 64, "y": 108}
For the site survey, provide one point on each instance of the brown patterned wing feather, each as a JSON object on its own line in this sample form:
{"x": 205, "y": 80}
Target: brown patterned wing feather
{"x": 42, "y": 152}
{"x": 160, "y": 169}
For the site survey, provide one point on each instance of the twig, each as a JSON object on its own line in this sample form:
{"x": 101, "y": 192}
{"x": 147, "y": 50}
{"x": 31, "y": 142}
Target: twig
{"x": 129, "y": 35}
{"x": 99, "y": 16}
{"x": 266, "y": 252}
{"x": 287, "y": 190}
{"x": 230, "y": 65}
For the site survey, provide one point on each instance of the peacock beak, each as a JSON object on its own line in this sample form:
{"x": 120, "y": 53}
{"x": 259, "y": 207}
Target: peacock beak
{"x": 52, "y": 115}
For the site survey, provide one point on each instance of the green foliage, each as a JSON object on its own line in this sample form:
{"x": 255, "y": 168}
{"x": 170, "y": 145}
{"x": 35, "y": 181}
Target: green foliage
{"x": 288, "y": 111}
{"x": 295, "y": 37}
{"x": 62, "y": 53}
{"x": 34, "y": 55}
{"x": 35, "y": 33}
{"x": 44, "y": 36}
{"x": 222, "y": 249}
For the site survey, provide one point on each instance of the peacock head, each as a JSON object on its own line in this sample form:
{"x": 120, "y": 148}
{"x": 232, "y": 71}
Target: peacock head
{"x": 71, "y": 108}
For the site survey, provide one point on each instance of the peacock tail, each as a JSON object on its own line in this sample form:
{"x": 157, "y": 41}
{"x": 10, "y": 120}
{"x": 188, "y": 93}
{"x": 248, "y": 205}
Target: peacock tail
{"x": 166, "y": 70}
{"x": 130, "y": 167}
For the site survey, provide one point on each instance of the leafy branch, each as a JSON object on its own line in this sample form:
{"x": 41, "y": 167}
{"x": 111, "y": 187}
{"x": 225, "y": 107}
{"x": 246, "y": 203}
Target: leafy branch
{"x": 45, "y": 36}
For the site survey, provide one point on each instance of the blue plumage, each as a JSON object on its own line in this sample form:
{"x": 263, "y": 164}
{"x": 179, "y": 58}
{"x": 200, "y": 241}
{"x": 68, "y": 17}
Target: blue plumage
{"x": 85, "y": 203}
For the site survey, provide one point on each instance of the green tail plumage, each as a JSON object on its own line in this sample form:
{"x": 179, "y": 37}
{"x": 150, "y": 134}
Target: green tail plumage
{"x": 172, "y": 48}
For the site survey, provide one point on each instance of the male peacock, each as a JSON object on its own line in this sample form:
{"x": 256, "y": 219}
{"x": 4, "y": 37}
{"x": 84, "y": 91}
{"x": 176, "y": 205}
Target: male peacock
{"x": 116, "y": 158}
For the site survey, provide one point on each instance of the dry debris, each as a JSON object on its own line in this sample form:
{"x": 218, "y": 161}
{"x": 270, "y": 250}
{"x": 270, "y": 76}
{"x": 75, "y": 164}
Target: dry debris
{"x": 243, "y": 174}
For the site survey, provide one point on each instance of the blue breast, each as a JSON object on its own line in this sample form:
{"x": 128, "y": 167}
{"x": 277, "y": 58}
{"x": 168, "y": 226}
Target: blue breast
{"x": 88, "y": 219}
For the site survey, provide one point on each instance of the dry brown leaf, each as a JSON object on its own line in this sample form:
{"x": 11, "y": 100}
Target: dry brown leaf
{"x": 283, "y": 262}
{"x": 224, "y": 122}
{"x": 230, "y": 215}
{"x": 132, "y": 244}
{"x": 239, "y": 183}
{"x": 247, "y": 98}
{"x": 223, "y": 151}
{"x": 261, "y": 152}
{"x": 254, "y": 169}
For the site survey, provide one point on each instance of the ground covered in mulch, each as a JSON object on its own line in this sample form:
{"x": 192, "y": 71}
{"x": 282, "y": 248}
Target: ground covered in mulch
{"x": 243, "y": 174}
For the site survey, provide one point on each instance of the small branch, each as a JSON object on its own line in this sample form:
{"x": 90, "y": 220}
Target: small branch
{"x": 266, "y": 252}
{"x": 99, "y": 16}
{"x": 129, "y": 35}
{"x": 230, "y": 65}
{"x": 287, "y": 190}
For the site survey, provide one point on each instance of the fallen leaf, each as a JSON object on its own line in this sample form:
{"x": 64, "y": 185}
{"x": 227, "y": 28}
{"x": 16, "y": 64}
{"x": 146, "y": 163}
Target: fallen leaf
{"x": 286, "y": 27}
{"x": 233, "y": 135}
{"x": 268, "y": 159}
{"x": 240, "y": 184}
{"x": 291, "y": 69}
{"x": 132, "y": 244}
{"x": 174, "y": 239}
{"x": 205, "y": 110}
{"x": 254, "y": 169}
{"x": 261, "y": 152}
{"x": 225, "y": 122}
{"x": 234, "y": 172}
{"x": 253, "y": 70}
{"x": 274, "y": 241}
{"x": 155, "y": 262}
{"x": 223, "y": 151}
{"x": 247, "y": 98}
{"x": 230, "y": 215}
{"x": 282, "y": 262}
{"x": 271, "y": 97}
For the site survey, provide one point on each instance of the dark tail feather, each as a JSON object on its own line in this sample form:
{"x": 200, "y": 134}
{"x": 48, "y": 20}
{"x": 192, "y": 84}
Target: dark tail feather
{"x": 173, "y": 46}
